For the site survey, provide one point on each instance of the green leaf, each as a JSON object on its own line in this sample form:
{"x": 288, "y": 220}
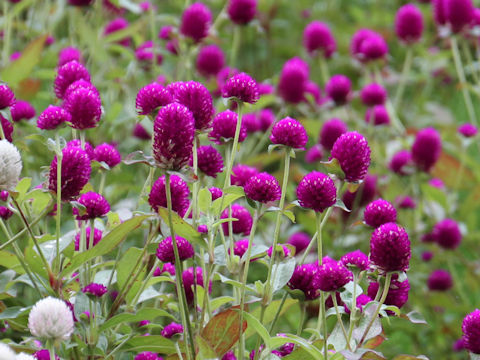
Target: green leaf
{"x": 257, "y": 327}
{"x": 13, "y": 312}
{"x": 414, "y": 317}
{"x": 282, "y": 272}
{"x": 142, "y": 314}
{"x": 204, "y": 200}
{"x": 10, "y": 261}
{"x": 270, "y": 312}
{"x": 222, "y": 300}
{"x": 21, "y": 189}
{"x": 300, "y": 353}
{"x": 311, "y": 349}
{"x": 333, "y": 167}
{"x": 205, "y": 351}
{"x": 218, "y": 206}
{"x": 154, "y": 343}
{"x": 340, "y": 204}
{"x": 126, "y": 265}
{"x": 182, "y": 228}
{"x": 40, "y": 200}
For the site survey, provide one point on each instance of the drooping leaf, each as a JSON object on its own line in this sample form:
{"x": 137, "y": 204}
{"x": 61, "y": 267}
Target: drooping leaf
{"x": 182, "y": 228}
{"x": 153, "y": 343}
{"x": 142, "y": 314}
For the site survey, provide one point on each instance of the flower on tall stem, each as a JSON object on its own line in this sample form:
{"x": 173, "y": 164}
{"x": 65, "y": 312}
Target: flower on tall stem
{"x": 51, "y": 319}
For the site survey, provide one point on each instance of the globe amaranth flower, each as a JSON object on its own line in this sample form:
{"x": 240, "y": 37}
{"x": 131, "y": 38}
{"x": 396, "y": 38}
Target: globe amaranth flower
{"x": 7, "y": 128}
{"x": 439, "y": 280}
{"x": 437, "y": 183}
{"x": 85, "y": 108}
{"x": 52, "y": 117}
{"x": 353, "y": 154}
{"x": 378, "y": 114}
{"x": 390, "y": 248}
{"x": 379, "y": 212}
{"x": 165, "y": 252}
{"x": 314, "y": 91}
{"x": 242, "y": 173}
{"x": 243, "y": 225}
{"x": 75, "y": 170}
{"x": 241, "y": 12}
{"x": 97, "y": 236}
{"x": 426, "y": 149}
{"x": 305, "y": 278}
{"x": 242, "y": 87}
{"x": 189, "y": 277}
{"x": 210, "y": 161}
{"x": 69, "y": 54}
{"x": 224, "y": 126}
{"x": 333, "y": 275}
{"x": 216, "y": 193}
{"x": 251, "y": 123}
{"x": 196, "y": 97}
{"x": 285, "y": 251}
{"x": 314, "y": 154}
{"x": 289, "y": 132}
{"x": 293, "y": 80}
{"x": 240, "y": 247}
{"x": 339, "y": 89}
{"x": 299, "y": 240}
{"x": 7, "y": 97}
{"x": 86, "y": 146}
{"x": 95, "y": 206}
{"x": 117, "y": 25}
{"x": 373, "y": 94}
{"x": 210, "y": 60}
{"x": 230, "y": 355}
{"x": 316, "y": 191}
{"x": 80, "y": 84}
{"x": 409, "y": 23}
{"x": 317, "y": 37}
{"x": 22, "y": 110}
{"x": 467, "y": 130}
{"x": 44, "y": 354}
{"x": 151, "y": 97}
{"x": 397, "y": 292}
{"x": 355, "y": 259}
{"x": 174, "y": 131}
{"x": 97, "y": 290}
{"x": 366, "y": 191}
{"x": 68, "y": 74}
{"x": 51, "y": 319}
{"x": 458, "y": 13}
{"x": 196, "y": 20}
{"x": 222, "y": 77}
{"x": 400, "y": 160}
{"x": 471, "y": 332}
{"x": 439, "y": 15}
{"x": 447, "y": 234}
{"x": 374, "y": 47}
{"x": 172, "y": 329}
{"x": 179, "y": 190}
{"x": 108, "y": 154}
{"x": 331, "y": 130}
{"x": 145, "y": 54}
{"x": 147, "y": 355}
{"x": 10, "y": 165}
{"x": 362, "y": 300}
{"x": 5, "y": 213}
{"x": 140, "y": 132}
{"x": 167, "y": 267}
{"x": 427, "y": 256}
{"x": 405, "y": 202}
{"x": 458, "y": 345}
{"x": 263, "y": 188}
{"x": 357, "y": 40}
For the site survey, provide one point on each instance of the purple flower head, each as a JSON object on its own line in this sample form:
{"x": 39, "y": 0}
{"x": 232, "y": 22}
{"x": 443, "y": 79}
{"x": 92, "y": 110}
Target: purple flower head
{"x": 300, "y": 241}
{"x": 69, "y": 54}
{"x": 22, "y": 110}
{"x": 331, "y": 130}
{"x": 467, "y": 130}
{"x": 7, "y": 97}
{"x": 289, "y": 132}
{"x": 229, "y": 356}
{"x": 210, "y": 161}
{"x": 52, "y": 117}
{"x": 165, "y": 251}
{"x": 362, "y": 300}
{"x": 240, "y": 247}
{"x": 265, "y": 88}
{"x": 196, "y": 21}
{"x": 314, "y": 154}
{"x": 151, "y": 97}
{"x": 373, "y": 94}
{"x": 189, "y": 277}
{"x": 317, "y": 37}
{"x": 426, "y": 149}
{"x": 80, "y": 84}
{"x": 357, "y": 40}
{"x": 293, "y": 80}
{"x": 15, "y": 56}
{"x": 390, "y": 248}
{"x": 197, "y": 99}
{"x": 94, "y": 289}
{"x": 379, "y": 212}
{"x": 263, "y": 188}
{"x": 399, "y": 161}
{"x": 316, "y": 191}
{"x": 167, "y": 267}
{"x": 5, "y": 213}
{"x": 378, "y": 114}
{"x": 397, "y": 292}
{"x": 108, "y": 154}
{"x": 80, "y": 2}
{"x": 216, "y": 193}
{"x": 224, "y": 126}
{"x": 210, "y": 60}
{"x": 243, "y": 225}
{"x": 203, "y": 229}
{"x": 471, "y": 332}
{"x": 458, "y": 345}
{"x": 437, "y": 183}
{"x": 409, "y": 23}
{"x": 353, "y": 153}
{"x": 68, "y": 74}
{"x": 241, "y": 12}
{"x": 406, "y": 202}
{"x": 86, "y": 146}
{"x": 44, "y": 354}
{"x": 305, "y": 278}
{"x": 241, "y": 174}
{"x": 458, "y": 13}
{"x": 314, "y": 90}
{"x": 95, "y": 206}
{"x": 439, "y": 14}
{"x": 179, "y": 190}
{"x": 243, "y": 87}
{"x": 333, "y": 276}
{"x": 174, "y": 130}
{"x": 117, "y": 25}
{"x": 367, "y": 191}
{"x": 140, "y": 132}
{"x": 147, "y": 355}
{"x": 166, "y": 32}
{"x": 440, "y": 280}
{"x": 4, "y": 195}
{"x": 447, "y": 234}
{"x": 145, "y": 54}
{"x": 339, "y": 88}
{"x": 427, "y": 256}
{"x": 85, "y": 107}
{"x": 172, "y": 329}
{"x": 374, "y": 47}
{"x": 75, "y": 172}
{"x": 251, "y": 123}
{"x": 97, "y": 236}
{"x": 355, "y": 258}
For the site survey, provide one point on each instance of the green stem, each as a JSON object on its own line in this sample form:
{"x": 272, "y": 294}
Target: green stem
{"x": 353, "y": 311}
{"x": 324, "y": 322}
{"x": 458, "y": 282}
{"x": 339, "y": 319}
{"x": 468, "y": 55}
{"x": 59, "y": 200}
{"x": 407, "y": 64}
{"x": 463, "y": 81}
{"x": 103, "y": 176}
{"x": 195, "y": 183}
{"x": 7, "y": 33}
{"x": 234, "y": 147}
{"x": 324, "y": 69}
{"x": 51, "y": 349}
{"x": 277, "y": 314}
{"x": 303, "y": 309}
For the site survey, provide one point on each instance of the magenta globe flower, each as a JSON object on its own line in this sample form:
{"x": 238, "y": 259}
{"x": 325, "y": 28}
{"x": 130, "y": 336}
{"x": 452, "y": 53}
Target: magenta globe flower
{"x": 263, "y": 188}
{"x": 251, "y": 123}
{"x": 179, "y": 190}
{"x": 22, "y": 110}
{"x": 52, "y": 117}
{"x": 151, "y": 97}
{"x": 333, "y": 276}
{"x": 317, "y": 37}
{"x": 174, "y": 131}
{"x": 289, "y": 132}
{"x": 196, "y": 20}
{"x": 379, "y": 212}
{"x": 353, "y": 154}
{"x": 355, "y": 259}
{"x": 378, "y": 115}
{"x": 210, "y": 60}
{"x": 331, "y": 130}
{"x": 189, "y": 278}
{"x": 373, "y": 94}
{"x": 241, "y": 12}
{"x": 390, "y": 248}
{"x": 439, "y": 14}
{"x": 117, "y": 25}
{"x": 439, "y": 280}
{"x": 366, "y": 191}
{"x": 172, "y": 329}
{"x": 97, "y": 290}
{"x": 210, "y": 161}
{"x": 68, "y": 74}
{"x": 223, "y": 128}
{"x": 357, "y": 41}
{"x": 242, "y": 173}
{"x": 305, "y": 278}
{"x": 300, "y": 241}
{"x": 316, "y": 191}
{"x": 397, "y": 292}
{"x": 69, "y": 54}
{"x": 86, "y": 146}
{"x": 240, "y": 247}
{"x": 95, "y": 206}
{"x": 458, "y": 13}
{"x": 7, "y": 97}
{"x": 147, "y": 355}
{"x": 467, "y": 130}
{"x": 244, "y": 222}
{"x": 339, "y": 88}
{"x": 84, "y": 106}
{"x": 242, "y": 87}
{"x": 400, "y": 161}
{"x": 374, "y": 47}
{"x": 97, "y": 236}
{"x": 314, "y": 154}
{"x": 140, "y": 132}
{"x": 216, "y": 193}
{"x": 108, "y": 154}
{"x": 447, "y": 234}
{"x": 165, "y": 252}
{"x": 293, "y": 80}
{"x": 426, "y": 149}
{"x": 471, "y": 332}
{"x": 409, "y": 23}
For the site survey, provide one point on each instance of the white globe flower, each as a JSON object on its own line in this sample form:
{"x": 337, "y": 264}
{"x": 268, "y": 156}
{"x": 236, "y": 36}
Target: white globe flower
{"x": 6, "y": 353}
{"x": 50, "y": 318}
{"x": 23, "y": 356}
{"x": 10, "y": 165}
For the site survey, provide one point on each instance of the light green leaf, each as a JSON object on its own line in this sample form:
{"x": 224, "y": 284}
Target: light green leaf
{"x": 142, "y": 314}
